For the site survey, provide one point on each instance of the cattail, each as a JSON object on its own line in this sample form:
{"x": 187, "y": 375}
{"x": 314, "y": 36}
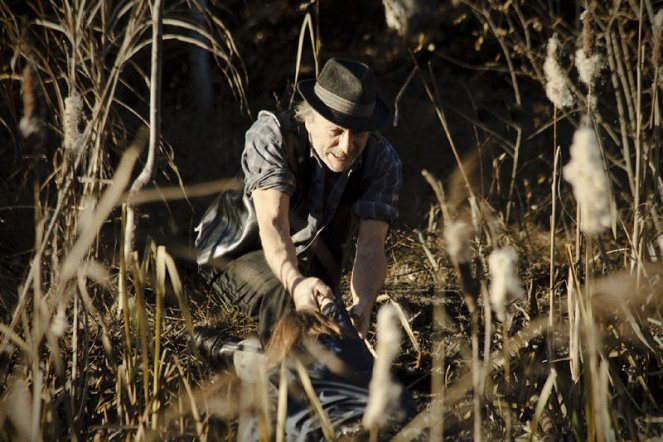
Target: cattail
{"x": 504, "y": 284}
{"x": 408, "y": 17}
{"x": 556, "y": 88}
{"x": 394, "y": 15}
{"x": 588, "y": 64}
{"x": 658, "y": 36}
{"x": 586, "y": 32}
{"x": 459, "y": 240}
{"x": 73, "y": 137}
{"x": 591, "y": 187}
{"x": 29, "y": 123}
{"x": 59, "y": 323}
{"x": 17, "y": 408}
{"x": 384, "y": 393}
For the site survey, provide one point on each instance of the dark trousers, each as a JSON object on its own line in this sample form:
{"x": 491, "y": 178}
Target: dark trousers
{"x": 250, "y": 285}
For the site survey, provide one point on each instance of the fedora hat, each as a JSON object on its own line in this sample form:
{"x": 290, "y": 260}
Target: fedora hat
{"x": 344, "y": 94}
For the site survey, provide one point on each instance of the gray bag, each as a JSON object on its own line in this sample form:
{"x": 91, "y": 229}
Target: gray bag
{"x": 228, "y": 229}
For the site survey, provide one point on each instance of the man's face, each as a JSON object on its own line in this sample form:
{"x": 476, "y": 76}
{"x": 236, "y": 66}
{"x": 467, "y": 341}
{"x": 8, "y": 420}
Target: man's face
{"x": 336, "y": 146}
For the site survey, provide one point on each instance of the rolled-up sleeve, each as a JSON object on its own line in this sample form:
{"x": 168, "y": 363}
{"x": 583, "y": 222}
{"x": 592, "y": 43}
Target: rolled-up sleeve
{"x": 264, "y": 160}
{"x": 383, "y": 173}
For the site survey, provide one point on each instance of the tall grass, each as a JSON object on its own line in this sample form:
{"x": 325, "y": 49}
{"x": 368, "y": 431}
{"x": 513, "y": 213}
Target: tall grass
{"x": 616, "y": 230}
{"x": 79, "y": 62}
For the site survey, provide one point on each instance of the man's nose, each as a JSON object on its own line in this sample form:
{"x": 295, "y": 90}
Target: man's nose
{"x": 345, "y": 142}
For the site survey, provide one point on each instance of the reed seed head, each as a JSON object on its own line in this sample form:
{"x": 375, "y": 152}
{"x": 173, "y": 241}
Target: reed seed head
{"x": 658, "y": 37}
{"x": 658, "y": 21}
{"x": 588, "y": 67}
{"x": 73, "y": 137}
{"x": 586, "y": 32}
{"x": 557, "y": 89}
{"x": 394, "y": 15}
{"x": 504, "y": 284}
{"x": 59, "y": 323}
{"x": 29, "y": 123}
{"x": 591, "y": 187}
{"x": 459, "y": 241}
{"x": 384, "y": 393}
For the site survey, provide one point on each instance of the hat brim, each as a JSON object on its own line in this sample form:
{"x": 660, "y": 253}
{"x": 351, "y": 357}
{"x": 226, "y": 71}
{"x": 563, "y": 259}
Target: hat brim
{"x": 361, "y": 124}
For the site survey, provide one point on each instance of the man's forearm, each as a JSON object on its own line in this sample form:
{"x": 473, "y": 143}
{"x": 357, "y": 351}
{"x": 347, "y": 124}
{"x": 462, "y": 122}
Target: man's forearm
{"x": 368, "y": 275}
{"x": 368, "y": 272}
{"x": 280, "y": 253}
{"x": 272, "y": 214}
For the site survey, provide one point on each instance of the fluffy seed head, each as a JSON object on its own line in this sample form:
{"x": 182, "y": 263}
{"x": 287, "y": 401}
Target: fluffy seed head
{"x": 591, "y": 187}
{"x": 557, "y": 89}
{"x": 459, "y": 241}
{"x": 658, "y": 36}
{"x": 29, "y": 123}
{"x": 73, "y": 138}
{"x": 59, "y": 324}
{"x": 394, "y": 15}
{"x": 658, "y": 21}
{"x": 383, "y": 391}
{"x": 504, "y": 284}
{"x": 588, "y": 67}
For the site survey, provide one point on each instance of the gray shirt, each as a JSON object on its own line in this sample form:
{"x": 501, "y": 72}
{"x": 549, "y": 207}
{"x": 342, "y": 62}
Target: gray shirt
{"x": 265, "y": 165}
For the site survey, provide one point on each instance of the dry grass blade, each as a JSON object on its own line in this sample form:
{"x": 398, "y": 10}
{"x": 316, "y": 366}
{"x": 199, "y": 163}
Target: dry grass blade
{"x": 306, "y": 25}
{"x": 192, "y": 401}
{"x": 17, "y": 406}
{"x": 160, "y": 263}
{"x": 325, "y": 423}
{"x": 262, "y": 399}
{"x": 437, "y": 391}
{"x": 282, "y": 407}
{"x": 141, "y": 312}
{"x": 191, "y": 191}
{"x": 543, "y": 400}
{"x": 179, "y": 293}
{"x": 16, "y": 339}
{"x": 408, "y": 329}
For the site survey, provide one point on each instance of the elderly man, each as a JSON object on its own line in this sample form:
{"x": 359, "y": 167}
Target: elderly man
{"x": 313, "y": 175}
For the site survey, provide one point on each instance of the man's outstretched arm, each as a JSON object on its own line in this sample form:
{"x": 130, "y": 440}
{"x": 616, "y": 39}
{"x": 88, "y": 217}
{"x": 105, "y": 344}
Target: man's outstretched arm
{"x": 368, "y": 272}
{"x": 272, "y": 214}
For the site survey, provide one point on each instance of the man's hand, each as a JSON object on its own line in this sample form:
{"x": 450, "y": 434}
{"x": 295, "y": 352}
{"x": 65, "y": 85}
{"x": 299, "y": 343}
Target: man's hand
{"x": 361, "y": 319}
{"x": 310, "y": 293}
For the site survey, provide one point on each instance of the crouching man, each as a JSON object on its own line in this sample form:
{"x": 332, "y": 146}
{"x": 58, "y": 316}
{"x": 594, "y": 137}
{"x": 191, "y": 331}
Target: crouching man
{"x": 314, "y": 176}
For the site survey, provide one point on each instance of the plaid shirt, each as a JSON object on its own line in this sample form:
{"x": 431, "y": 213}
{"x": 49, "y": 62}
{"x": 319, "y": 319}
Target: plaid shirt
{"x": 265, "y": 166}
